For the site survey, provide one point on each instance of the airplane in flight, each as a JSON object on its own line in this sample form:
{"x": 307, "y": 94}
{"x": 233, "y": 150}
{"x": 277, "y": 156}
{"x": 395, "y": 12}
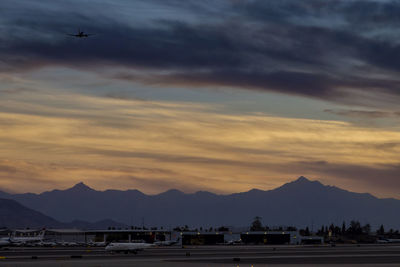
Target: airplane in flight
{"x": 81, "y": 34}
{"x": 127, "y": 247}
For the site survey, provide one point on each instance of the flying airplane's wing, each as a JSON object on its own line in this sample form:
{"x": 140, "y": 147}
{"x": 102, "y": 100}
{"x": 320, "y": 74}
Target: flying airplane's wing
{"x": 71, "y": 34}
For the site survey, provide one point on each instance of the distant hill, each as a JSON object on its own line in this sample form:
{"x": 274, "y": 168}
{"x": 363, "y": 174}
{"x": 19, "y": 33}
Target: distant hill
{"x": 15, "y": 215}
{"x": 299, "y": 203}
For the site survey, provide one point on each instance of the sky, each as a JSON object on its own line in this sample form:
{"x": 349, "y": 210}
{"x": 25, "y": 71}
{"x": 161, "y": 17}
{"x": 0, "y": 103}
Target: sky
{"x": 216, "y": 95}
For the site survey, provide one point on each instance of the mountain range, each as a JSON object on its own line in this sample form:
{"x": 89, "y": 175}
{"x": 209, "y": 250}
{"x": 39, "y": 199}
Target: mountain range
{"x": 15, "y": 215}
{"x": 299, "y": 203}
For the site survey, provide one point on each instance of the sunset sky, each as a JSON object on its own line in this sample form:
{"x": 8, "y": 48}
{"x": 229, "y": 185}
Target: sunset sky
{"x": 216, "y": 95}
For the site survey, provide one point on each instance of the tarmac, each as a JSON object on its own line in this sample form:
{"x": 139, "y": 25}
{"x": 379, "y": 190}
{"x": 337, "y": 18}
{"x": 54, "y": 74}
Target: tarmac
{"x": 321, "y": 255}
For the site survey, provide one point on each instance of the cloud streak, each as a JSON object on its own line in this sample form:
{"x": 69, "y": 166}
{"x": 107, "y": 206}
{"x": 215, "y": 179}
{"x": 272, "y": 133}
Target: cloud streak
{"x": 370, "y": 114}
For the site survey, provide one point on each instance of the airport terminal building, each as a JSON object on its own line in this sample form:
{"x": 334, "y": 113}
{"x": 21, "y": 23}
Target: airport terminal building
{"x": 185, "y": 238}
{"x": 251, "y": 238}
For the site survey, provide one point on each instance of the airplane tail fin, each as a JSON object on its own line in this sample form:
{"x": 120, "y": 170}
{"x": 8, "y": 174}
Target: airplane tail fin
{"x": 41, "y": 234}
{"x": 12, "y": 236}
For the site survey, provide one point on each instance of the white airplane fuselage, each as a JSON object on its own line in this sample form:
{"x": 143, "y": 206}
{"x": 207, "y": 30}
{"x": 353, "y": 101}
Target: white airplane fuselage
{"x": 166, "y": 243}
{"x": 26, "y": 239}
{"x": 5, "y": 242}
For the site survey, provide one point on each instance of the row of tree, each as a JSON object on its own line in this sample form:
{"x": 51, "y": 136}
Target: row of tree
{"x": 353, "y": 229}
{"x": 256, "y": 225}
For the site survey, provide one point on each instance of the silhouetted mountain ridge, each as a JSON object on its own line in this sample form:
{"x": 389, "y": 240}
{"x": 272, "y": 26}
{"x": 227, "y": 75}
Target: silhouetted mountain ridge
{"x": 15, "y": 215}
{"x": 299, "y": 203}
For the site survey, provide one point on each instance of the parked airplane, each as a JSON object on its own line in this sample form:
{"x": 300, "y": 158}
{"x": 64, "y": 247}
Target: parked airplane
{"x": 5, "y": 241}
{"x": 22, "y": 240}
{"x": 97, "y": 244}
{"x": 167, "y": 242}
{"x": 67, "y": 244}
{"x": 234, "y": 242}
{"x": 46, "y": 244}
{"x": 81, "y": 34}
{"x": 127, "y": 247}
{"x": 390, "y": 240}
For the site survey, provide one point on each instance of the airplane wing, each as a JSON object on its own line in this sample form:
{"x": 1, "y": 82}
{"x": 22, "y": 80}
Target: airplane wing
{"x": 71, "y": 34}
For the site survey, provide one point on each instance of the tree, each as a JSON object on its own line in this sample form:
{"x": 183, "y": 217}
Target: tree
{"x": 366, "y": 229}
{"x": 337, "y": 230}
{"x": 381, "y": 230}
{"x": 223, "y": 229}
{"x": 307, "y": 231}
{"x": 355, "y": 228}
{"x": 343, "y": 228}
{"x": 177, "y": 229}
{"x": 256, "y": 225}
{"x": 391, "y": 231}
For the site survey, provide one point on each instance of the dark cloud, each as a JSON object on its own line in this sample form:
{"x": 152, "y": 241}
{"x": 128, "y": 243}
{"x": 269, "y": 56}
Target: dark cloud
{"x": 7, "y": 169}
{"x": 369, "y": 114}
{"x": 314, "y": 48}
{"x": 16, "y": 90}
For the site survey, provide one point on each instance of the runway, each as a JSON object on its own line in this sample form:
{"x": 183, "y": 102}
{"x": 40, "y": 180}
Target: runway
{"x": 349, "y": 255}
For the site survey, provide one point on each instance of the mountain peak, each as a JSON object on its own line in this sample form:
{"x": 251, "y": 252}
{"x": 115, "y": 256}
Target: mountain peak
{"x": 302, "y": 183}
{"x": 305, "y": 181}
{"x": 81, "y": 187}
{"x": 302, "y": 179}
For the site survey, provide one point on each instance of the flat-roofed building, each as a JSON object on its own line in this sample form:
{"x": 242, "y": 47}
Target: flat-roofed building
{"x": 127, "y": 235}
{"x": 202, "y": 238}
{"x": 270, "y": 237}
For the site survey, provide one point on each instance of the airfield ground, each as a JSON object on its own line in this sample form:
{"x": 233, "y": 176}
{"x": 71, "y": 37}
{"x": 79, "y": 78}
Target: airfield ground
{"x": 343, "y": 255}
